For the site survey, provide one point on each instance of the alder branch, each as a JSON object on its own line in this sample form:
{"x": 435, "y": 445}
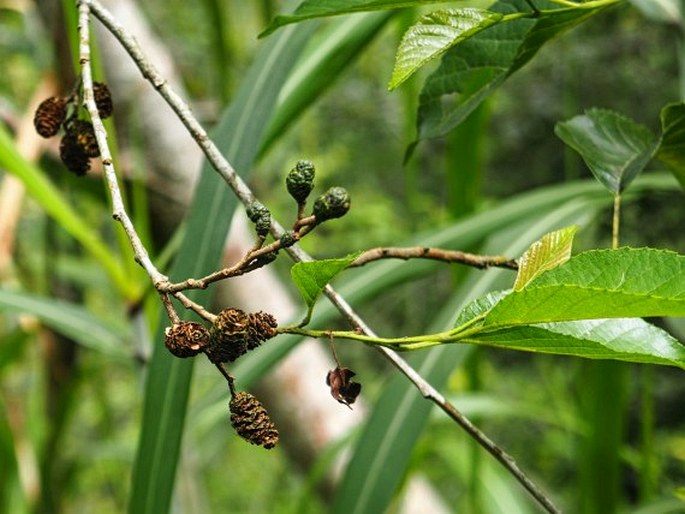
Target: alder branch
{"x": 118, "y": 211}
{"x": 245, "y": 195}
{"x": 438, "y": 254}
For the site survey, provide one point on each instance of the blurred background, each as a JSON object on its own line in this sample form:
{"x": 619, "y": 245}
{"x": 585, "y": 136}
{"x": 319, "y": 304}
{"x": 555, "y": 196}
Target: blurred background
{"x": 74, "y": 342}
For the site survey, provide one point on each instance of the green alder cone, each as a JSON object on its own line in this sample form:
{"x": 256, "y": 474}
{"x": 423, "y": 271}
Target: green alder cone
{"x": 334, "y": 203}
{"x": 300, "y": 180}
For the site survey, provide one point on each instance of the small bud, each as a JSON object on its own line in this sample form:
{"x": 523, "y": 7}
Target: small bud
{"x": 288, "y": 239}
{"x": 73, "y": 155}
{"x": 334, "y": 203}
{"x": 265, "y": 258}
{"x": 186, "y": 339}
{"x": 103, "y": 99}
{"x": 49, "y": 116}
{"x": 251, "y": 421}
{"x": 85, "y": 137}
{"x": 300, "y": 180}
{"x": 342, "y": 388}
{"x": 261, "y": 217}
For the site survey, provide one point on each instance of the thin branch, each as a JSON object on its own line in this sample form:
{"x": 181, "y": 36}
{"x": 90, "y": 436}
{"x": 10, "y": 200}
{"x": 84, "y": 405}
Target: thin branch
{"x": 118, "y": 210}
{"x": 438, "y": 254}
{"x": 221, "y": 165}
{"x": 195, "y": 307}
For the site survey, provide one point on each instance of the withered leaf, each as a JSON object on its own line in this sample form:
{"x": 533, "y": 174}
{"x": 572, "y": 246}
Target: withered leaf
{"x": 343, "y": 389}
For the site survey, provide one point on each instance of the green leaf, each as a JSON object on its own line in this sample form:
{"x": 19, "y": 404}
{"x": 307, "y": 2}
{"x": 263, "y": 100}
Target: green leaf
{"x": 472, "y": 70}
{"x": 475, "y": 311}
{"x": 322, "y": 8}
{"x": 628, "y": 282}
{"x": 550, "y": 251}
{"x": 614, "y": 147}
{"x": 239, "y": 135}
{"x": 434, "y": 34}
{"x": 311, "y": 278}
{"x": 672, "y": 149}
{"x": 630, "y": 339}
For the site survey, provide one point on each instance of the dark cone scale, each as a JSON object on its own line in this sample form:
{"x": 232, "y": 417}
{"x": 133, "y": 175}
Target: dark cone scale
{"x": 84, "y": 133}
{"x": 228, "y": 336}
{"x": 251, "y": 421}
{"x": 235, "y": 332}
{"x": 103, "y": 99}
{"x": 186, "y": 339}
{"x": 49, "y": 116}
{"x": 261, "y": 327}
{"x": 72, "y": 155}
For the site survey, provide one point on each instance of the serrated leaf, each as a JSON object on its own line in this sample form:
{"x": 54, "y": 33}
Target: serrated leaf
{"x": 614, "y": 147}
{"x": 628, "y": 282}
{"x": 474, "y": 69}
{"x": 552, "y": 250}
{"x": 478, "y": 308}
{"x": 434, "y": 34}
{"x": 672, "y": 149}
{"x": 631, "y": 339}
{"x": 311, "y": 277}
{"x": 322, "y": 8}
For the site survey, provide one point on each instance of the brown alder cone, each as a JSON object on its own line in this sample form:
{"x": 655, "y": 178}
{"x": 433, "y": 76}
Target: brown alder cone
{"x": 251, "y": 421}
{"x": 186, "y": 339}
{"x": 49, "y": 116}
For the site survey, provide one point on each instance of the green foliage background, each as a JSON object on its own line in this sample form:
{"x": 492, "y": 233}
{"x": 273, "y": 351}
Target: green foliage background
{"x": 82, "y": 429}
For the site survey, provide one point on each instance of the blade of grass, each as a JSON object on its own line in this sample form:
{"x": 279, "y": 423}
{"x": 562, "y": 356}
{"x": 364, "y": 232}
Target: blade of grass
{"x": 168, "y": 382}
{"x": 334, "y": 47}
{"x": 70, "y": 320}
{"x": 56, "y": 206}
{"x": 603, "y": 404}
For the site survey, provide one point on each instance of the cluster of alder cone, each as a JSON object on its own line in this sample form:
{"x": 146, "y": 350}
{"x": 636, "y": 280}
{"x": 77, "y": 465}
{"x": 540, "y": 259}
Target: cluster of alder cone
{"x": 233, "y": 332}
{"x": 78, "y": 144}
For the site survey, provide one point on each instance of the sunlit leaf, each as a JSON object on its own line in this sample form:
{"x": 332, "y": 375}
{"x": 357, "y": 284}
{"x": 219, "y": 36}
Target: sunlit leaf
{"x": 550, "y": 251}
{"x": 614, "y": 147}
{"x": 628, "y": 282}
{"x": 434, "y": 34}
